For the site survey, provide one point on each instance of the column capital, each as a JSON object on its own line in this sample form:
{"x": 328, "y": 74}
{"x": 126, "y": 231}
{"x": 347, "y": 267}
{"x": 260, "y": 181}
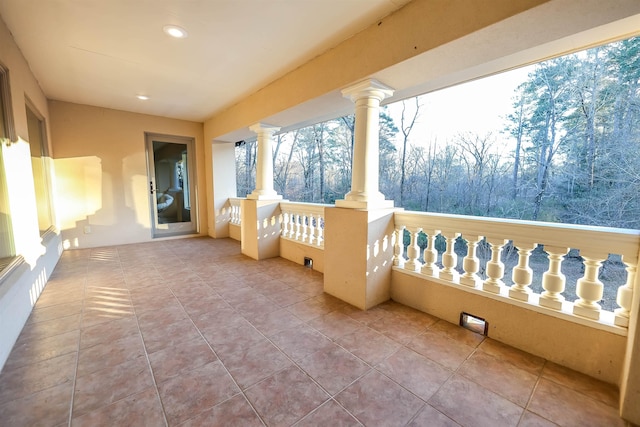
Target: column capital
{"x": 264, "y": 128}
{"x": 368, "y": 88}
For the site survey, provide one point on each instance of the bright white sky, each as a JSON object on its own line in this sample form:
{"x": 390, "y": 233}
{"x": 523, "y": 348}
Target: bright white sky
{"x": 479, "y": 106}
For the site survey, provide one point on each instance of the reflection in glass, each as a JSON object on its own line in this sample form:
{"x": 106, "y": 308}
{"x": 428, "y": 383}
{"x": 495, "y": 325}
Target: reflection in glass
{"x": 172, "y": 182}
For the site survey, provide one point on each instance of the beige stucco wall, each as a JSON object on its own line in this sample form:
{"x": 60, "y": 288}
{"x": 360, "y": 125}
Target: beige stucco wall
{"x": 296, "y": 252}
{"x": 585, "y": 349}
{"x": 18, "y": 213}
{"x": 101, "y": 172}
{"x": 19, "y": 205}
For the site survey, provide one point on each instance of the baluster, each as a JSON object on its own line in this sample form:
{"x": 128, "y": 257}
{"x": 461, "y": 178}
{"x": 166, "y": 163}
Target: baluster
{"x": 522, "y": 273}
{"x": 495, "y": 267}
{"x": 320, "y": 229}
{"x": 553, "y": 281}
{"x": 471, "y": 263}
{"x": 449, "y": 258}
{"x": 430, "y": 256}
{"x": 398, "y": 247}
{"x": 312, "y": 230}
{"x": 625, "y": 295}
{"x": 285, "y": 224}
{"x": 305, "y": 227}
{"x": 413, "y": 251}
{"x": 589, "y": 288}
{"x": 299, "y": 220}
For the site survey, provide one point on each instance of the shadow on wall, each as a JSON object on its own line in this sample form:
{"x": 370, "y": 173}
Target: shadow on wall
{"x": 94, "y": 199}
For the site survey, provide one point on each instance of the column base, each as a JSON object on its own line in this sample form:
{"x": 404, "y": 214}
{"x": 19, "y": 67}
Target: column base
{"x": 253, "y": 196}
{"x": 365, "y": 205}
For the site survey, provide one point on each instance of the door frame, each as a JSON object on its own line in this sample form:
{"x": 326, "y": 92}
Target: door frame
{"x": 180, "y": 228}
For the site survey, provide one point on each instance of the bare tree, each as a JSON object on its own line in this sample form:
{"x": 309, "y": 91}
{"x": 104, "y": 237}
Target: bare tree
{"x": 407, "y": 121}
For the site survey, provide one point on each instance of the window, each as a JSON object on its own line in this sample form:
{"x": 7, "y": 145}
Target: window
{"x": 40, "y": 165}
{"x": 7, "y": 249}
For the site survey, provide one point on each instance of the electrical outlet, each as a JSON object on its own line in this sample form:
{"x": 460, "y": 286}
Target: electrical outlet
{"x": 87, "y": 229}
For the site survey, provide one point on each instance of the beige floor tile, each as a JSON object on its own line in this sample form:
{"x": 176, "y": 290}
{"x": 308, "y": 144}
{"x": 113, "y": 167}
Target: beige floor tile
{"x": 125, "y": 328}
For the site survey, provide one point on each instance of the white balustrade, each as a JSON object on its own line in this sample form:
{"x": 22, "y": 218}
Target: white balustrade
{"x": 303, "y": 222}
{"x": 594, "y": 243}
{"x": 235, "y": 207}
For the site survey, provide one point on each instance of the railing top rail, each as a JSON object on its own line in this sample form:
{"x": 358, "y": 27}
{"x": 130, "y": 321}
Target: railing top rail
{"x": 620, "y": 241}
{"x": 233, "y": 200}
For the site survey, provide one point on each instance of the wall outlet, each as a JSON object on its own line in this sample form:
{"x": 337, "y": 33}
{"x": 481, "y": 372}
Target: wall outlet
{"x": 87, "y": 229}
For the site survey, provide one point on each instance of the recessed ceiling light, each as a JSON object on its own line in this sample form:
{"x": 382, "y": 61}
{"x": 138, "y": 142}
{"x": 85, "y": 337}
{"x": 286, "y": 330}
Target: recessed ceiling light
{"x": 142, "y": 97}
{"x": 175, "y": 31}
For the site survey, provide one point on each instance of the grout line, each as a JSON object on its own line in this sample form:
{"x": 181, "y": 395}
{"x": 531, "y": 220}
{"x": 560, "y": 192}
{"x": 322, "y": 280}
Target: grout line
{"x": 146, "y": 354}
{"x": 75, "y": 371}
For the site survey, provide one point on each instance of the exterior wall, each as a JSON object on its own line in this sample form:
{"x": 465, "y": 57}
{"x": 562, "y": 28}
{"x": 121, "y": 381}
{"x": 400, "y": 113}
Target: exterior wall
{"x": 20, "y": 289}
{"x": 221, "y": 185}
{"x": 235, "y": 232}
{"x": 20, "y": 286}
{"x": 585, "y": 349}
{"x": 101, "y": 172}
{"x": 296, "y": 252}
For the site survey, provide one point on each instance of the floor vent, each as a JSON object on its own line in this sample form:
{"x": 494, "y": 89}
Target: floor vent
{"x": 308, "y": 262}
{"x": 474, "y": 323}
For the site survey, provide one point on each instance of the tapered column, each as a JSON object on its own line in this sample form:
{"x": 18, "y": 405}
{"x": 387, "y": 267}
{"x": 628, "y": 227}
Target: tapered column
{"x": 264, "y": 166}
{"x": 364, "y": 193}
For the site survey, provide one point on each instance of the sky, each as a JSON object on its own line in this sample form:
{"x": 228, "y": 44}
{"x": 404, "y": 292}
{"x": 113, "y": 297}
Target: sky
{"x": 478, "y": 106}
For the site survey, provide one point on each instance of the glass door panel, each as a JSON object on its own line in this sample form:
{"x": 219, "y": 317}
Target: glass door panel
{"x": 170, "y": 176}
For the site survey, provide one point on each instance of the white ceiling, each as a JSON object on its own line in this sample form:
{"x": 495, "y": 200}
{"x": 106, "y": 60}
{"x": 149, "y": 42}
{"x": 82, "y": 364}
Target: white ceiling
{"x": 105, "y": 52}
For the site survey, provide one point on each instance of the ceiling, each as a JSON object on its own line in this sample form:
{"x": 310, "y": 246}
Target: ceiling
{"x": 105, "y": 52}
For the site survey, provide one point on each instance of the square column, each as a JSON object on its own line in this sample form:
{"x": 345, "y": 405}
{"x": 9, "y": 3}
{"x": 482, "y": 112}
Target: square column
{"x": 358, "y": 255}
{"x": 364, "y": 193}
{"x": 260, "y": 232}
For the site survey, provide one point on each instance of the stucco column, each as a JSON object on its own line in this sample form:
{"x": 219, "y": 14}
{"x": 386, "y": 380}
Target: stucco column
{"x": 264, "y": 166}
{"x": 364, "y": 193}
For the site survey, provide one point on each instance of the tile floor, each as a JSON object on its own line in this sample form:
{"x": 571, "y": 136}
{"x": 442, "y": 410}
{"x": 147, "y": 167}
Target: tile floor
{"x": 191, "y": 333}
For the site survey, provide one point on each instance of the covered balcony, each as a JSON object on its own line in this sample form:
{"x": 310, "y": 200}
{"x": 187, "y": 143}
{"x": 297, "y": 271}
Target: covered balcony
{"x": 264, "y": 311}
